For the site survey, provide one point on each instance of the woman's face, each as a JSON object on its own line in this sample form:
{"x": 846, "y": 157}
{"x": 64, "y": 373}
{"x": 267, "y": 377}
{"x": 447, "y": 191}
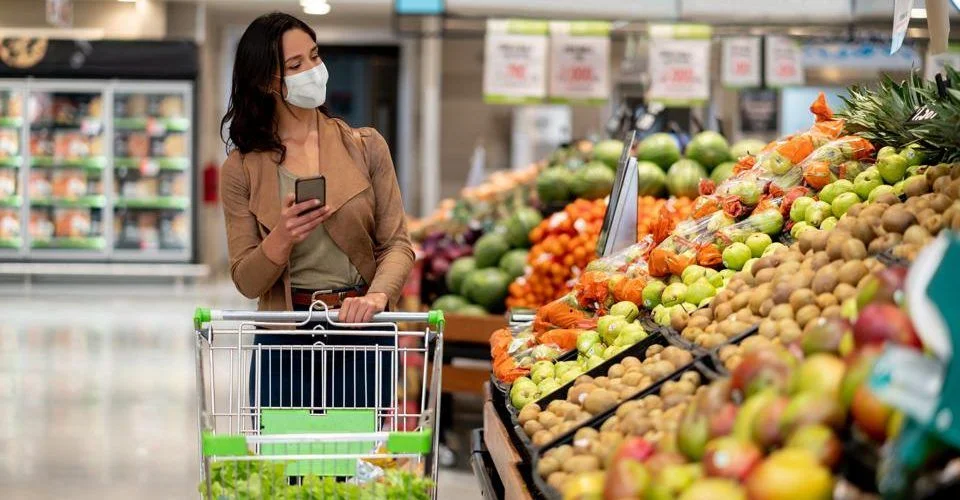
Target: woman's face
{"x": 300, "y": 54}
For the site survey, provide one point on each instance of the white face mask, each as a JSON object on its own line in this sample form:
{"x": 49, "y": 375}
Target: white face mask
{"x": 307, "y": 89}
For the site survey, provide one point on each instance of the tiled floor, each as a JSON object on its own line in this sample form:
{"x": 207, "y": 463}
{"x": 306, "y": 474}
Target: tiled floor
{"x": 98, "y": 392}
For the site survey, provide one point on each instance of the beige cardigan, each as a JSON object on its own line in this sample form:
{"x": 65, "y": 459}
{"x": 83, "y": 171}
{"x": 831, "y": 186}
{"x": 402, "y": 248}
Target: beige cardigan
{"x": 367, "y": 223}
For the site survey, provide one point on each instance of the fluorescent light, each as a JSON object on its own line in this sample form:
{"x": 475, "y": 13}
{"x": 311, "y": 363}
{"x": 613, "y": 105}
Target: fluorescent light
{"x": 315, "y": 7}
{"x": 918, "y": 13}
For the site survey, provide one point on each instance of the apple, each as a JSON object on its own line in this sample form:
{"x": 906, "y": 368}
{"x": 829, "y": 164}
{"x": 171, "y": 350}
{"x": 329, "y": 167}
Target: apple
{"x": 767, "y": 432}
{"x": 827, "y": 335}
{"x": 673, "y": 294}
{"x": 892, "y": 168}
{"x": 848, "y": 309}
{"x": 585, "y": 486}
{"x": 625, "y": 309}
{"x": 714, "y": 489}
{"x": 612, "y": 351}
{"x": 736, "y": 255}
{"x": 761, "y": 369}
{"x": 758, "y": 242}
{"x": 800, "y": 228}
{"x": 545, "y": 352}
{"x": 693, "y": 433}
{"x": 885, "y": 286}
{"x": 748, "y": 265}
{"x": 634, "y": 448}
{"x": 880, "y": 191}
{"x": 743, "y": 425}
{"x": 880, "y": 323}
{"x": 693, "y": 273}
{"x": 820, "y": 372}
{"x": 834, "y": 189}
{"x": 812, "y": 408}
{"x": 870, "y": 414}
{"x": 773, "y": 248}
{"x": 859, "y": 365}
{"x": 842, "y": 203}
{"x": 570, "y": 375}
{"x": 541, "y": 371}
{"x": 799, "y": 208}
{"x": 626, "y": 478}
{"x": 866, "y": 182}
{"x": 562, "y": 367}
{"x": 731, "y": 458}
{"x": 886, "y": 151}
{"x": 790, "y": 474}
{"x": 547, "y": 386}
{"x": 913, "y": 155}
{"x": 523, "y": 392}
{"x": 652, "y": 292}
{"x": 673, "y": 480}
{"x": 819, "y": 440}
{"x": 631, "y": 334}
{"x": 699, "y": 291}
{"x": 610, "y": 331}
{"x": 828, "y": 223}
{"x": 661, "y": 459}
{"x": 721, "y": 421}
{"x": 586, "y": 340}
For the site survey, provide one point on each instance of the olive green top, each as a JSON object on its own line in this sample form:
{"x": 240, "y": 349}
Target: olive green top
{"x": 317, "y": 263}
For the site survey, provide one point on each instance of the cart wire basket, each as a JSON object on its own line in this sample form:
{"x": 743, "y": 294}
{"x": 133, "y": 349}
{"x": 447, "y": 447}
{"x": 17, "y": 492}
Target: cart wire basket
{"x": 321, "y": 440}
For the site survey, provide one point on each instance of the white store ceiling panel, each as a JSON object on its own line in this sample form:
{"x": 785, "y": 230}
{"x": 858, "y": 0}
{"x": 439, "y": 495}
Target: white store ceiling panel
{"x": 595, "y": 9}
{"x": 777, "y": 11}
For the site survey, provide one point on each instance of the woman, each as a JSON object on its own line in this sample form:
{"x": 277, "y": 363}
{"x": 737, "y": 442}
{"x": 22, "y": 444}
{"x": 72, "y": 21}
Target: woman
{"x": 353, "y": 252}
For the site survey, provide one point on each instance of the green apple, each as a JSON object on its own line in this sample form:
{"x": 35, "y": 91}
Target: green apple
{"x": 652, "y": 293}
{"x": 913, "y": 155}
{"x": 799, "y": 208}
{"x": 523, "y": 392}
{"x": 898, "y": 188}
{"x": 546, "y": 386}
{"x": 562, "y": 367}
{"x": 892, "y": 168}
{"x": 773, "y": 248}
{"x": 879, "y": 191}
{"x": 586, "y": 340}
{"x": 886, "y": 151}
{"x": 816, "y": 212}
{"x": 837, "y": 188}
{"x": 673, "y": 294}
{"x": 715, "y": 278}
{"x": 628, "y": 310}
{"x": 631, "y": 334}
{"x": 842, "y": 203}
{"x": 542, "y": 370}
{"x": 692, "y": 274}
{"x": 571, "y": 374}
{"x": 727, "y": 273}
{"x": 748, "y": 265}
{"x": 866, "y": 182}
{"x": 699, "y": 290}
{"x": 736, "y": 255}
{"x": 758, "y": 242}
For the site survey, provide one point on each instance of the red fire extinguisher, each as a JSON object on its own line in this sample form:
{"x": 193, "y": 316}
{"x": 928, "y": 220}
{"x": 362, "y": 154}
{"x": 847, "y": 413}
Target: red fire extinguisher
{"x": 211, "y": 183}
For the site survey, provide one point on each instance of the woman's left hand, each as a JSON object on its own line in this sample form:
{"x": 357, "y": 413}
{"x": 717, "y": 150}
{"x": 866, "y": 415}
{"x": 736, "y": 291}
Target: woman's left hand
{"x": 362, "y": 309}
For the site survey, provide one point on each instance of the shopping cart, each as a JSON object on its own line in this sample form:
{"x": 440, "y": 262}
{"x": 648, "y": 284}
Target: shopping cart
{"x": 249, "y": 449}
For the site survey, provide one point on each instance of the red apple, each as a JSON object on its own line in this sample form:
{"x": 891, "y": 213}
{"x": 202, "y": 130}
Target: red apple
{"x": 721, "y": 421}
{"x": 819, "y": 440}
{"x": 790, "y": 474}
{"x": 731, "y": 458}
{"x": 761, "y": 369}
{"x": 626, "y": 479}
{"x": 635, "y": 448}
{"x": 881, "y": 323}
{"x": 870, "y": 414}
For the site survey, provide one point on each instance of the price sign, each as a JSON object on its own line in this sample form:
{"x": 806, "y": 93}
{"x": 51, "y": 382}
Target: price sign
{"x": 784, "y": 62}
{"x": 901, "y": 19}
{"x": 679, "y": 72}
{"x": 515, "y": 62}
{"x": 580, "y": 62}
{"x": 741, "y": 62}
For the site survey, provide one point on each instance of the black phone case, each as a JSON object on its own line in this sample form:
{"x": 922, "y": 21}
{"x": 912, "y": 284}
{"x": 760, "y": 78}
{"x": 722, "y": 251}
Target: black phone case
{"x": 311, "y": 188}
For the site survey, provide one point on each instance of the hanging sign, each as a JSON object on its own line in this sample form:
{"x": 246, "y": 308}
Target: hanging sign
{"x": 60, "y": 13}
{"x": 679, "y": 59}
{"x": 579, "y": 62}
{"x": 515, "y": 62}
{"x": 741, "y": 62}
{"x": 901, "y": 19}
{"x": 783, "y": 62}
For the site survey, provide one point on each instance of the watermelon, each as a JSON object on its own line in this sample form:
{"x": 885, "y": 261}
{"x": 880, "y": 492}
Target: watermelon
{"x": 487, "y": 288}
{"x": 722, "y": 172}
{"x": 514, "y": 263}
{"x": 553, "y": 185}
{"x": 593, "y": 181}
{"x": 709, "y": 149}
{"x": 449, "y": 303}
{"x": 519, "y": 225}
{"x": 746, "y": 147}
{"x": 489, "y": 249}
{"x": 472, "y": 310}
{"x": 651, "y": 179}
{"x": 683, "y": 178}
{"x": 608, "y": 152}
{"x": 660, "y": 148}
{"x": 458, "y": 272}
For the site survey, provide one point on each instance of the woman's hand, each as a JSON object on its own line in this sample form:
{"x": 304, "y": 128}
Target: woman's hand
{"x": 362, "y": 309}
{"x": 295, "y": 224}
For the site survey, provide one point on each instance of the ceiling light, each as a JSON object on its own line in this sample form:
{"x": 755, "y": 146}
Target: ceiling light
{"x": 918, "y": 13}
{"x": 315, "y": 7}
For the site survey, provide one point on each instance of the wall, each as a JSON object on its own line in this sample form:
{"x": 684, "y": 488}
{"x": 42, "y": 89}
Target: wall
{"x": 145, "y": 19}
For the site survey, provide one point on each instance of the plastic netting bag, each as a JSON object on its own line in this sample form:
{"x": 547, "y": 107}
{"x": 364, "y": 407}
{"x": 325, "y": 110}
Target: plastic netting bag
{"x": 842, "y": 158}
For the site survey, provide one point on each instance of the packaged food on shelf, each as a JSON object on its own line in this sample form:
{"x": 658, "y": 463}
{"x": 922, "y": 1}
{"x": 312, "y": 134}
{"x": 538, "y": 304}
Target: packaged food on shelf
{"x": 9, "y": 143}
{"x": 9, "y": 223}
{"x": 41, "y": 225}
{"x": 8, "y": 182}
{"x": 39, "y": 184}
{"x": 69, "y": 183}
{"x": 72, "y": 223}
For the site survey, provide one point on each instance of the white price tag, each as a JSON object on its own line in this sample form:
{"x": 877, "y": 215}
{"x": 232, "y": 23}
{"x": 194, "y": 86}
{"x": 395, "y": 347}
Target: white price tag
{"x": 679, "y": 71}
{"x": 515, "y": 62}
{"x": 149, "y": 167}
{"x": 90, "y": 126}
{"x": 784, "y": 62}
{"x": 579, "y": 62}
{"x": 741, "y": 62}
{"x": 901, "y": 19}
{"x": 155, "y": 127}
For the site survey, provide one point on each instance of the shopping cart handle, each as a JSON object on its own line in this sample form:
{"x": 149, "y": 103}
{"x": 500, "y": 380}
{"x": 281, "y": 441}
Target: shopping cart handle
{"x": 204, "y": 315}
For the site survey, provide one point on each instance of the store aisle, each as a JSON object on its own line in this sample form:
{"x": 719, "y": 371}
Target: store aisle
{"x": 97, "y": 392}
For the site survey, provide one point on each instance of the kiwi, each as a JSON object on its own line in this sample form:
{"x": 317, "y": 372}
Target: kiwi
{"x": 781, "y": 311}
{"x": 887, "y": 199}
{"x": 824, "y": 281}
{"x": 835, "y": 242}
{"x": 941, "y": 185}
{"x": 558, "y": 480}
{"x": 819, "y": 260}
{"x": 933, "y": 224}
{"x": 807, "y": 314}
{"x": 825, "y": 300}
{"x": 884, "y": 243}
{"x": 764, "y": 275}
{"x": 832, "y": 312}
{"x": 768, "y": 328}
{"x": 581, "y": 463}
{"x": 757, "y": 298}
{"x": 599, "y": 401}
{"x": 801, "y": 297}
{"x": 897, "y": 220}
{"x": 548, "y": 419}
{"x": 851, "y": 272}
{"x": 852, "y": 249}
{"x": 916, "y": 235}
{"x": 579, "y": 391}
{"x": 782, "y": 291}
{"x": 766, "y": 307}
{"x": 722, "y": 311}
{"x": 806, "y": 240}
{"x": 529, "y": 413}
{"x": 763, "y": 263}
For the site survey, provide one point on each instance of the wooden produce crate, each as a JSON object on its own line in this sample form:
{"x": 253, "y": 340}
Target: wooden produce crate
{"x": 506, "y": 460}
{"x": 467, "y": 337}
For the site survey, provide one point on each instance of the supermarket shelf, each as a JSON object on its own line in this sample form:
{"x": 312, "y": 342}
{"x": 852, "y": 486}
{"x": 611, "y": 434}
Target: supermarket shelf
{"x": 95, "y": 243}
{"x": 11, "y": 121}
{"x": 11, "y": 162}
{"x": 11, "y": 202}
{"x": 91, "y": 201}
{"x": 8, "y": 243}
{"x": 154, "y": 203}
{"x": 173, "y": 164}
{"x": 105, "y": 269}
{"x": 92, "y": 163}
{"x": 165, "y": 124}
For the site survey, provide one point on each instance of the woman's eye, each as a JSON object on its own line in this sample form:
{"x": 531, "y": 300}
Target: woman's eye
{"x": 295, "y": 66}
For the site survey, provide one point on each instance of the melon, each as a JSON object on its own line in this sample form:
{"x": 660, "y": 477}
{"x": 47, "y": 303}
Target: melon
{"x": 593, "y": 181}
{"x": 449, "y": 303}
{"x": 458, "y": 272}
{"x": 553, "y": 185}
{"x": 746, "y": 147}
{"x": 514, "y": 263}
{"x": 683, "y": 178}
{"x": 722, "y": 172}
{"x": 489, "y": 249}
{"x": 709, "y": 149}
{"x": 519, "y": 225}
{"x": 662, "y": 149}
{"x": 472, "y": 310}
{"x": 651, "y": 180}
{"x": 608, "y": 152}
{"x": 487, "y": 288}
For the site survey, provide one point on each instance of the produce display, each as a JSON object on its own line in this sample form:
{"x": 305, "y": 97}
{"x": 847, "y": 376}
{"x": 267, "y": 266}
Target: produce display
{"x": 773, "y": 298}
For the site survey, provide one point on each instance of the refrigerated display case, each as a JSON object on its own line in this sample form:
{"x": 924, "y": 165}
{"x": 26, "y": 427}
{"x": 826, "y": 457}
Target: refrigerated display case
{"x": 11, "y": 162}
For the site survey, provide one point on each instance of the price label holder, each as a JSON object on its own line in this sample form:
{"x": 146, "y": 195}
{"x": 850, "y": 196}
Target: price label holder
{"x": 579, "y": 62}
{"x": 619, "y": 228}
{"x": 679, "y": 64}
{"x": 155, "y": 127}
{"x": 149, "y": 167}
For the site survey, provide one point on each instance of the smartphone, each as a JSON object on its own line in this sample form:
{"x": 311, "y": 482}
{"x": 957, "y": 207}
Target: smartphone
{"x": 311, "y": 188}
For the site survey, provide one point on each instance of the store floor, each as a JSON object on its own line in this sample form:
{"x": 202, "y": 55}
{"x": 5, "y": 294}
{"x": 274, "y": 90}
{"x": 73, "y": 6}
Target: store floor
{"x": 98, "y": 392}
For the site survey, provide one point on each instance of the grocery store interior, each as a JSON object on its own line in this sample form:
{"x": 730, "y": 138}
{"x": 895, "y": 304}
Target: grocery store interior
{"x": 683, "y": 249}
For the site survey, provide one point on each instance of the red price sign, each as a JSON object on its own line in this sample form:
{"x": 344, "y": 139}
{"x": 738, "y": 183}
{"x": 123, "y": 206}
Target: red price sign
{"x": 517, "y": 71}
{"x": 786, "y": 70}
{"x": 682, "y": 75}
{"x": 742, "y": 67}
{"x": 580, "y": 74}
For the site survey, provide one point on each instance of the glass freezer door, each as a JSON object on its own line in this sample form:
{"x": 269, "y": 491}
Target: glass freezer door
{"x": 11, "y": 163}
{"x": 152, "y": 172}
{"x": 68, "y": 161}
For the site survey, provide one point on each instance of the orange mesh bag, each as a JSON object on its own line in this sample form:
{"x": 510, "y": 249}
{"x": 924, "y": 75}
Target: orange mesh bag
{"x": 500, "y": 342}
{"x": 564, "y": 338}
{"x": 558, "y": 314}
{"x": 709, "y": 255}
